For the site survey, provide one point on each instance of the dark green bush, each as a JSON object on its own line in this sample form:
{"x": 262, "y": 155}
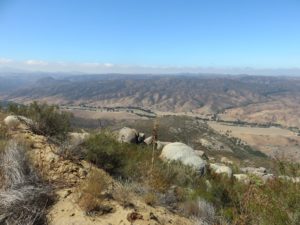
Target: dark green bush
{"x": 105, "y": 152}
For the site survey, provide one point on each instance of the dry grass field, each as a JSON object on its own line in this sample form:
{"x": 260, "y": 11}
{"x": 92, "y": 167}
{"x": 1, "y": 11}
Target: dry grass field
{"x": 272, "y": 141}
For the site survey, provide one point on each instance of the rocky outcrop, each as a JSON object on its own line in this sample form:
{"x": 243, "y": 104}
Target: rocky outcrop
{"x": 178, "y": 151}
{"x": 259, "y": 172}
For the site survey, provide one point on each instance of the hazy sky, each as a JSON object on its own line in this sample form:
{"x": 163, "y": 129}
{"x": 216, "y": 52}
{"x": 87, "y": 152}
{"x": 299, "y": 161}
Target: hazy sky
{"x": 159, "y": 35}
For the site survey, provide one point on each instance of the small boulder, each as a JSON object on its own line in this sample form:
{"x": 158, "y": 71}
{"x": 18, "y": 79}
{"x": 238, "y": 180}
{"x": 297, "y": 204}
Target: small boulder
{"x": 254, "y": 170}
{"x": 159, "y": 145}
{"x": 128, "y": 135}
{"x": 201, "y": 154}
{"x": 267, "y": 177}
{"x": 219, "y": 168}
{"x": 148, "y": 140}
{"x": 141, "y": 137}
{"x": 206, "y": 143}
{"x": 76, "y": 139}
{"x": 291, "y": 179}
{"x": 225, "y": 160}
{"x": 12, "y": 122}
{"x": 178, "y": 151}
{"x": 243, "y": 178}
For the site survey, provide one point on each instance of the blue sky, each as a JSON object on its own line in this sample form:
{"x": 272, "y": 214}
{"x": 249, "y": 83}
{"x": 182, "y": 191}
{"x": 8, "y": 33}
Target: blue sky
{"x": 258, "y": 34}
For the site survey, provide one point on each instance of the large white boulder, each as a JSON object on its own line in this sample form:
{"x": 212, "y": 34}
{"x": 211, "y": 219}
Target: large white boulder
{"x": 76, "y": 139}
{"x": 128, "y": 135}
{"x": 12, "y": 121}
{"x": 161, "y": 144}
{"x": 201, "y": 154}
{"x": 178, "y": 151}
{"x": 219, "y": 168}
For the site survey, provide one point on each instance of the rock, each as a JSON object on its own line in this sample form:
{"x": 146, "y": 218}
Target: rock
{"x": 76, "y": 139}
{"x": 148, "y": 140}
{"x": 214, "y": 144}
{"x": 244, "y": 178}
{"x": 226, "y": 161}
{"x": 128, "y": 135}
{"x": 291, "y": 179}
{"x": 131, "y": 217}
{"x": 206, "y": 143}
{"x": 141, "y": 137}
{"x": 260, "y": 172}
{"x": 178, "y": 151}
{"x": 219, "y": 168}
{"x": 12, "y": 122}
{"x": 161, "y": 144}
{"x": 254, "y": 170}
{"x": 267, "y": 177}
{"x": 201, "y": 154}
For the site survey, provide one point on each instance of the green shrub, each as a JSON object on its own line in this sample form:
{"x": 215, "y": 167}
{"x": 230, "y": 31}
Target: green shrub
{"x": 48, "y": 119}
{"x": 275, "y": 202}
{"x": 105, "y": 152}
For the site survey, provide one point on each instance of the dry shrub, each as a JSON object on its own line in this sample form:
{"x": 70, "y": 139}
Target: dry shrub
{"x": 23, "y": 196}
{"x": 123, "y": 194}
{"x": 3, "y": 132}
{"x": 159, "y": 180}
{"x": 89, "y": 203}
{"x": 202, "y": 211}
{"x": 92, "y": 192}
{"x": 150, "y": 199}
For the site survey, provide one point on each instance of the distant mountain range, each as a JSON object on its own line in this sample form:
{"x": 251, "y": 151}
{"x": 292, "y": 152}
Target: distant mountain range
{"x": 237, "y": 97}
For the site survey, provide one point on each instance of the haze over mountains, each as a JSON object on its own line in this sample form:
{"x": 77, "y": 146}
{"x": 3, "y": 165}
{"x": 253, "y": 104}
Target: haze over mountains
{"x": 252, "y": 98}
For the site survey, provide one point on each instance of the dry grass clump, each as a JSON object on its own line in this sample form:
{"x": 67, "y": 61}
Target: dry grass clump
{"x": 122, "y": 193}
{"x": 3, "y": 132}
{"x": 92, "y": 192}
{"x": 151, "y": 199}
{"x": 203, "y": 213}
{"x": 23, "y": 196}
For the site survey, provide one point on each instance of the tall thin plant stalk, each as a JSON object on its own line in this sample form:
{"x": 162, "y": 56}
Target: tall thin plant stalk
{"x": 154, "y": 141}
